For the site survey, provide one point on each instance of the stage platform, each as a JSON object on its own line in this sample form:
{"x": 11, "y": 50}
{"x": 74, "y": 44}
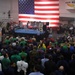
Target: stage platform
{"x": 29, "y": 31}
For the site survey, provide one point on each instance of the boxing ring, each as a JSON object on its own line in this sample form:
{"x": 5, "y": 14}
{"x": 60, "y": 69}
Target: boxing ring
{"x": 29, "y": 31}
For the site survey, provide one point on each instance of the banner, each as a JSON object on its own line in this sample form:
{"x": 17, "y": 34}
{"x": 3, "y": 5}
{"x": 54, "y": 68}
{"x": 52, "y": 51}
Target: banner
{"x": 70, "y": 4}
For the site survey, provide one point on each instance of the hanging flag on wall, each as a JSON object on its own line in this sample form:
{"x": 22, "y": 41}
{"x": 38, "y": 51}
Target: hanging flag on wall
{"x": 39, "y": 10}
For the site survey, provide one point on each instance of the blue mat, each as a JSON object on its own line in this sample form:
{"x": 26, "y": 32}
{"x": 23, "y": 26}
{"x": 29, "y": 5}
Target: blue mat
{"x": 28, "y": 31}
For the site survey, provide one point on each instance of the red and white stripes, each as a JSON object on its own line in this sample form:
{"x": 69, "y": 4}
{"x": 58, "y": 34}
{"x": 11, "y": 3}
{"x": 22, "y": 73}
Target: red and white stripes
{"x": 44, "y": 11}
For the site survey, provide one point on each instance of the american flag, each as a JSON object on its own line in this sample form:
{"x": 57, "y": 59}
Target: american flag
{"x": 39, "y": 10}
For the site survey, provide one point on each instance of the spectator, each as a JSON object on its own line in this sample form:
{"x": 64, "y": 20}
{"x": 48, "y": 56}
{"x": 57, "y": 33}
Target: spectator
{"x": 23, "y": 53}
{"x": 15, "y": 57}
{"x": 60, "y": 71}
{"x": 5, "y": 63}
{"x": 43, "y": 60}
{"x": 49, "y": 66}
{"x": 36, "y": 71}
{"x": 72, "y": 65}
{"x": 11, "y": 69}
{"x": 22, "y": 66}
{"x": 64, "y": 63}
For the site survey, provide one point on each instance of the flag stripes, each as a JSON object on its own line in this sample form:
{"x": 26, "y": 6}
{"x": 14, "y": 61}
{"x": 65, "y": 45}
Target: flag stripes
{"x": 44, "y": 11}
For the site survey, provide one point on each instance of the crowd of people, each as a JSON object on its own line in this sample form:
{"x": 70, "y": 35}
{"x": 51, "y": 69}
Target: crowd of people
{"x": 66, "y": 27}
{"x": 24, "y": 55}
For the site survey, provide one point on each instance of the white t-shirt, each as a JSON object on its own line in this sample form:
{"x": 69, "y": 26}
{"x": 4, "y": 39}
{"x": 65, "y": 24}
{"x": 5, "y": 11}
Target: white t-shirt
{"x": 22, "y": 65}
{"x": 0, "y": 67}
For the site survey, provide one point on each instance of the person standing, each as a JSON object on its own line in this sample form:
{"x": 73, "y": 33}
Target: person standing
{"x": 50, "y": 66}
{"x": 22, "y": 66}
{"x": 5, "y": 63}
{"x": 36, "y": 71}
